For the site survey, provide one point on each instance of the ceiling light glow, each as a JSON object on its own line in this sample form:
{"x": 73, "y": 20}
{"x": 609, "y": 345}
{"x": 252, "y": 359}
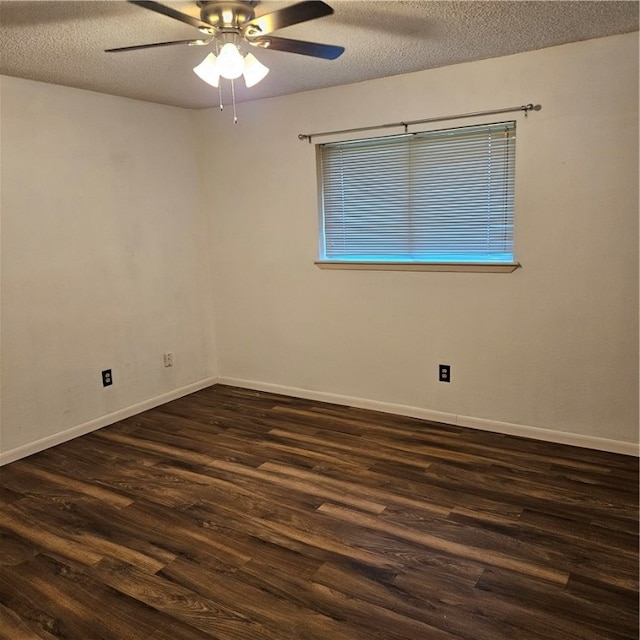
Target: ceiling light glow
{"x": 230, "y": 63}
{"x": 208, "y": 71}
{"x": 254, "y": 70}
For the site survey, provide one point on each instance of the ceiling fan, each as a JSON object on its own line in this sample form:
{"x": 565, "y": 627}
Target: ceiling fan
{"x": 229, "y": 23}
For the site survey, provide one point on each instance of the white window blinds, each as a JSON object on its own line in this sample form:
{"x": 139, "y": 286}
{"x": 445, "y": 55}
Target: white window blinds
{"x": 438, "y": 196}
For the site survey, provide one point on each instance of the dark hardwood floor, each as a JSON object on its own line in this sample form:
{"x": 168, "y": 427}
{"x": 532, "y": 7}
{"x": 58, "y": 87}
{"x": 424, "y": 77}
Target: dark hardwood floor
{"x": 239, "y": 515}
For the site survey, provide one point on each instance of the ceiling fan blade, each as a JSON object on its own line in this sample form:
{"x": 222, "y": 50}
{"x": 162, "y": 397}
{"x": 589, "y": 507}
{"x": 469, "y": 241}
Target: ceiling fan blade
{"x": 171, "y": 13}
{"x": 296, "y": 13}
{"x": 315, "y": 49}
{"x": 136, "y": 47}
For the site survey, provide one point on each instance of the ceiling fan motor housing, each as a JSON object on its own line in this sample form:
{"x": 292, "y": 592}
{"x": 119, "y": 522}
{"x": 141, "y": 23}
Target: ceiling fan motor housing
{"x": 226, "y": 15}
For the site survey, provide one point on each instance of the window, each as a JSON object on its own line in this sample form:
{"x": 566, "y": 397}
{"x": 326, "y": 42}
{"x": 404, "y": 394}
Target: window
{"x": 434, "y": 197}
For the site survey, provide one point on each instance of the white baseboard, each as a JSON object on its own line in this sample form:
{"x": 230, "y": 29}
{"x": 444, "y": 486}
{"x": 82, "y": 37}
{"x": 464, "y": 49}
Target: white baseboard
{"x": 82, "y": 429}
{"x": 536, "y": 433}
{"x": 524, "y": 431}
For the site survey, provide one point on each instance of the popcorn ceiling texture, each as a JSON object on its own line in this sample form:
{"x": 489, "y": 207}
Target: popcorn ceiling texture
{"x": 63, "y": 42}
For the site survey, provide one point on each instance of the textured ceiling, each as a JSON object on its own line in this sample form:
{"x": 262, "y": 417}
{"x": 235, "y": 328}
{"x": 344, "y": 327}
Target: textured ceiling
{"x": 63, "y": 42}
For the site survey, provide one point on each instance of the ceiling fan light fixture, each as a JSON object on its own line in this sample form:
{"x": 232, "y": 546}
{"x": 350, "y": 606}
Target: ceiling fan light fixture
{"x": 230, "y": 24}
{"x": 254, "y": 70}
{"x": 207, "y": 70}
{"x": 230, "y": 63}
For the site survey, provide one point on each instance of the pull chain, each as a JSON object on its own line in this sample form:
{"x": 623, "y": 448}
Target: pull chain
{"x": 219, "y": 81}
{"x": 233, "y": 100}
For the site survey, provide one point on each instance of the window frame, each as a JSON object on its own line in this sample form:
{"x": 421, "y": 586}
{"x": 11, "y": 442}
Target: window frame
{"x": 408, "y": 264}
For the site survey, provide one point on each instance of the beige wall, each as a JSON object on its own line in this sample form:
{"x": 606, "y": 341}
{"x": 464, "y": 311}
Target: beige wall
{"x": 553, "y": 346}
{"x": 130, "y": 229}
{"x": 104, "y": 259}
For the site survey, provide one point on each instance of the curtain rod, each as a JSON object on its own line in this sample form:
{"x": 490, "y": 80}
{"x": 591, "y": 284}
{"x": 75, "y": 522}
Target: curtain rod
{"x": 525, "y": 107}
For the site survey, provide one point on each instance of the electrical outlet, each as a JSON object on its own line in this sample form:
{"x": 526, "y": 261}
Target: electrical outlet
{"x": 168, "y": 359}
{"x": 444, "y": 372}
{"x": 107, "y": 378}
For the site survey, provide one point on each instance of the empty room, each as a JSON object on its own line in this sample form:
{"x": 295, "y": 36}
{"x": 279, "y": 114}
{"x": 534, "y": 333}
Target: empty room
{"x": 319, "y": 320}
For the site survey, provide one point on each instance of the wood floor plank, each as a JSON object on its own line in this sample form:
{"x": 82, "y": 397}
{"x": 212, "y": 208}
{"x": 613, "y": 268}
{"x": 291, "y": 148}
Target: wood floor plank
{"x": 234, "y": 514}
{"x": 526, "y": 494}
{"x": 177, "y": 630}
{"x": 357, "y": 613}
{"x": 295, "y": 534}
{"x": 447, "y": 616}
{"x": 82, "y": 535}
{"x": 82, "y": 488}
{"x": 488, "y": 556}
{"x": 300, "y": 485}
{"x": 583, "y": 528}
{"x": 411, "y": 484}
{"x": 383, "y": 496}
{"x": 64, "y": 602}
{"x": 15, "y": 549}
{"x": 12, "y": 627}
{"x": 571, "y": 613}
{"x": 182, "y": 535}
{"x": 354, "y": 449}
{"x": 159, "y": 449}
{"x": 30, "y": 529}
{"x": 176, "y": 601}
{"x": 476, "y": 615}
{"x": 279, "y": 614}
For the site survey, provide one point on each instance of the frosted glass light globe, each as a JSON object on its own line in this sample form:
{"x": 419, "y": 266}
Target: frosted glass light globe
{"x": 230, "y": 63}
